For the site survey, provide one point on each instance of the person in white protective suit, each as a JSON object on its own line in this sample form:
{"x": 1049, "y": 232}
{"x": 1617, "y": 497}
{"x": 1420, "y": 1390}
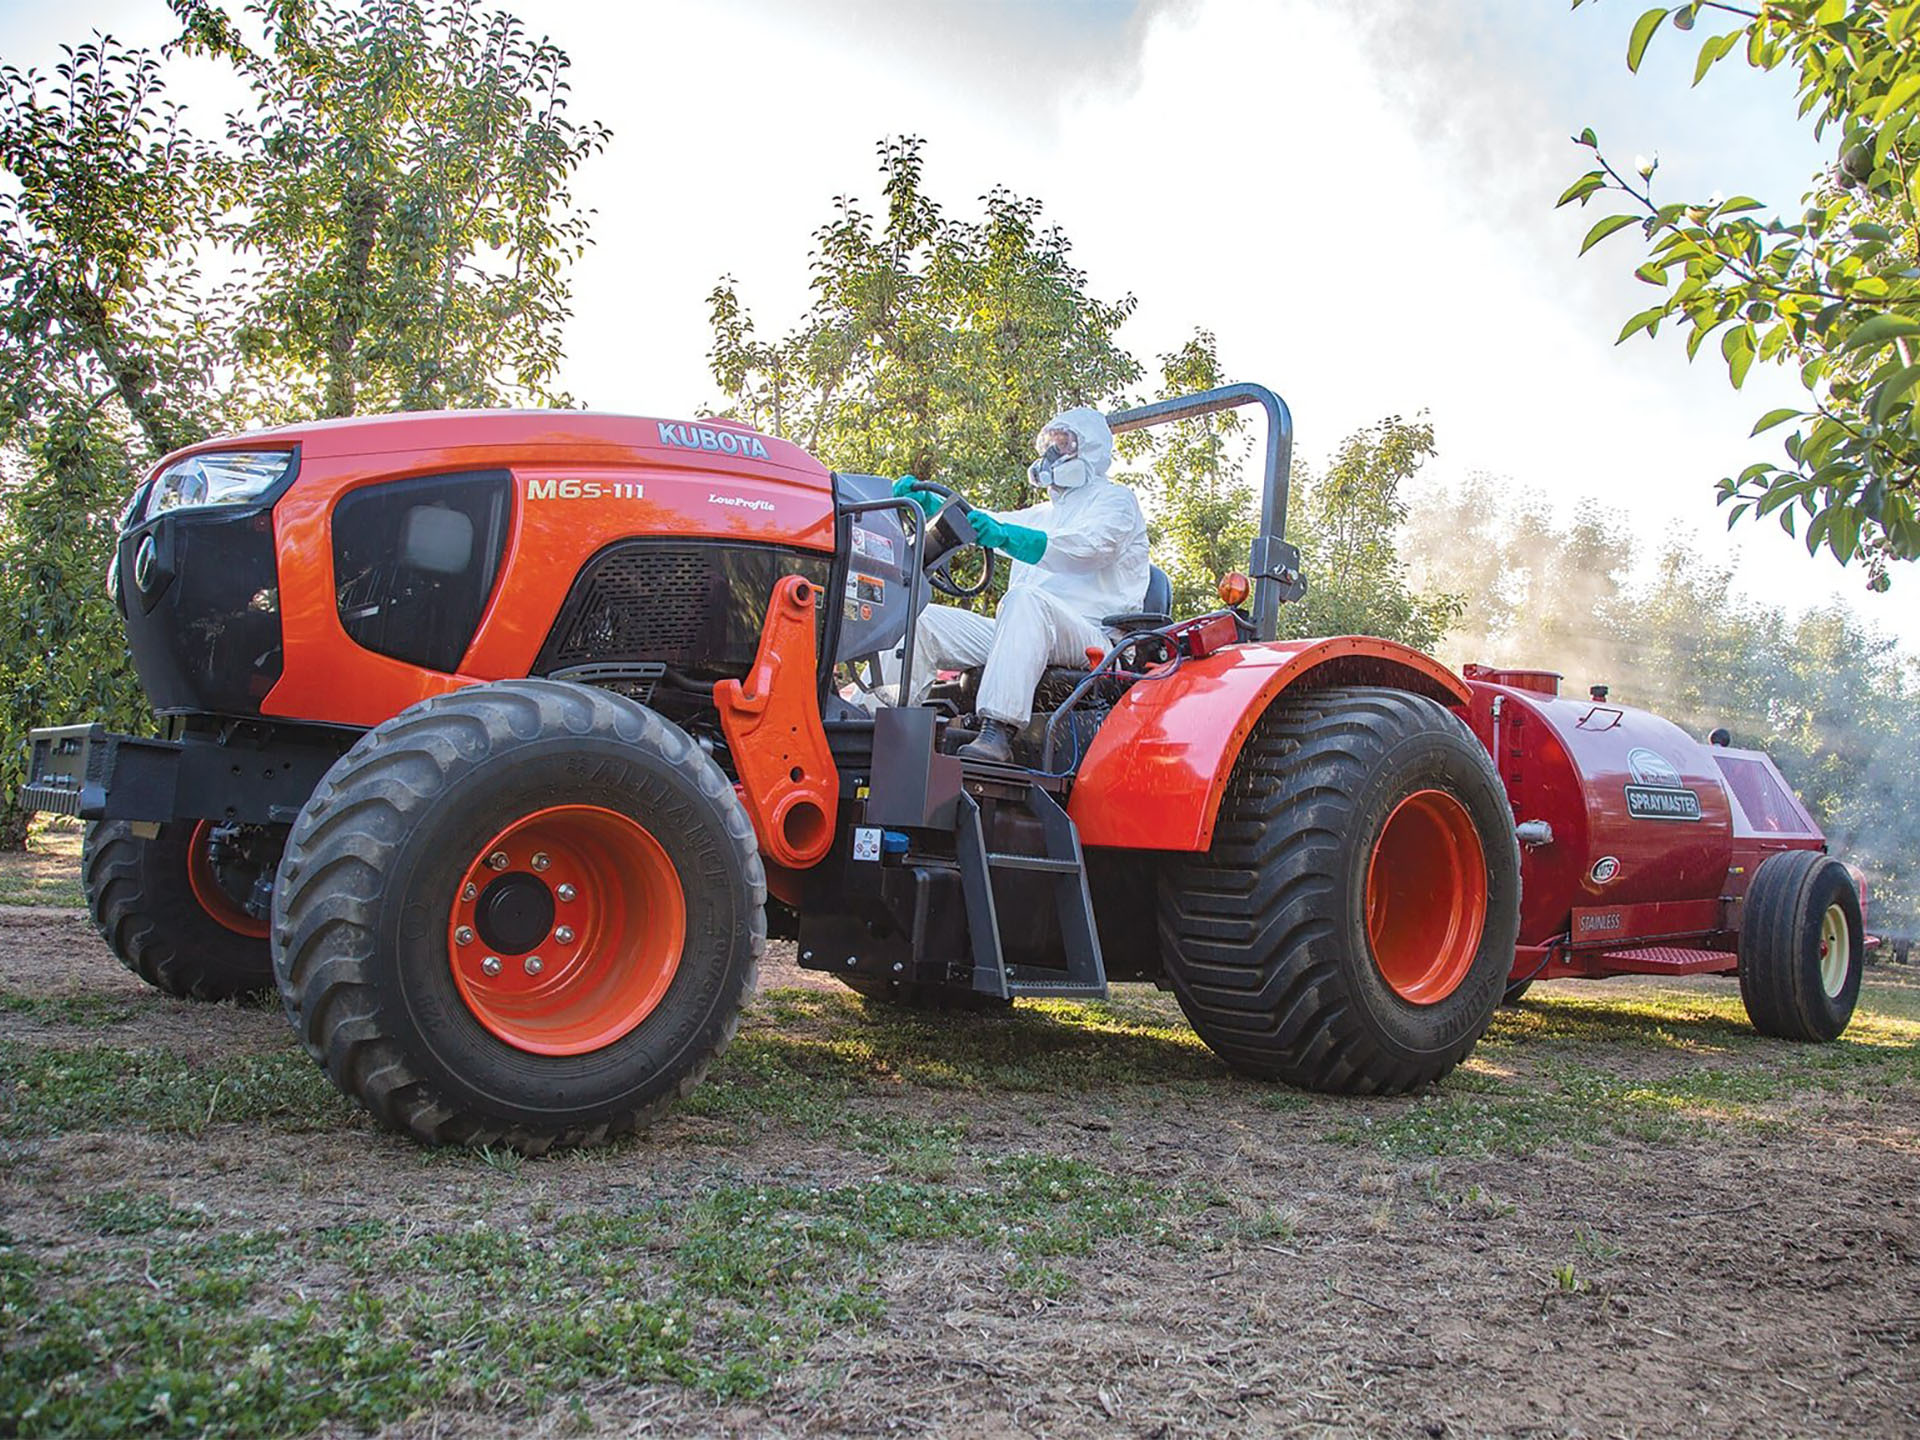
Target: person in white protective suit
{"x": 1078, "y": 556}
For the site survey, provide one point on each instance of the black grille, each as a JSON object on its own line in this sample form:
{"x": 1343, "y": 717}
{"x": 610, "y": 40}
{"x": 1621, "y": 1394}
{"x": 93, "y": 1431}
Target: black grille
{"x": 696, "y": 608}
{"x": 657, "y": 603}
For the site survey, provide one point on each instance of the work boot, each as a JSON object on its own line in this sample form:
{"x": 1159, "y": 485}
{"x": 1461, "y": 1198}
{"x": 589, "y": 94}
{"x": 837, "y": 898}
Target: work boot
{"x": 995, "y": 743}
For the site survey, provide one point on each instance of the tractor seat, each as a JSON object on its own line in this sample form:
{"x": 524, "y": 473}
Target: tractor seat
{"x": 1058, "y": 681}
{"x": 1156, "y": 606}
{"x": 1156, "y": 609}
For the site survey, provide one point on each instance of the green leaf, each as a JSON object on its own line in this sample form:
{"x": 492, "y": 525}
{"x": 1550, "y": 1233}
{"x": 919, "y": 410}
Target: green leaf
{"x": 1737, "y": 205}
{"x": 1737, "y": 348}
{"x": 1643, "y": 29}
{"x": 1712, "y": 50}
{"x": 1773, "y": 418}
{"x": 1817, "y": 529}
{"x": 1891, "y": 391}
{"x": 1898, "y": 97}
{"x": 1583, "y": 187}
{"x": 1647, "y": 320}
{"x": 1653, "y": 272}
{"x": 1843, "y": 534}
{"x": 1587, "y": 138}
{"x": 1605, "y": 228}
{"x": 1880, "y": 330}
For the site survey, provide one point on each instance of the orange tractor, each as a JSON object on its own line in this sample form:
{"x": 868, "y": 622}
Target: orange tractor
{"x": 498, "y": 741}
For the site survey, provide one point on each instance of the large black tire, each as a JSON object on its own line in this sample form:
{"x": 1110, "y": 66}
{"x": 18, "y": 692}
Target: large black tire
{"x": 366, "y": 939}
{"x": 141, "y": 895}
{"x": 1267, "y": 938}
{"x": 1801, "y": 947}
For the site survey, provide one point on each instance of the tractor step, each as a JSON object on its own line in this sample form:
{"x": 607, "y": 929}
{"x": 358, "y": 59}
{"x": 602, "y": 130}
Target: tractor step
{"x": 1042, "y": 863}
{"x": 1085, "y": 975}
{"x": 1056, "y": 989}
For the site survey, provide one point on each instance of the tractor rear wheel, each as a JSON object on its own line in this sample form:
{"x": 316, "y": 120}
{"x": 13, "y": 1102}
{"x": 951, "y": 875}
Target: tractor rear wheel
{"x": 524, "y": 913}
{"x": 1801, "y": 949}
{"x": 1352, "y": 927}
{"x": 172, "y": 907}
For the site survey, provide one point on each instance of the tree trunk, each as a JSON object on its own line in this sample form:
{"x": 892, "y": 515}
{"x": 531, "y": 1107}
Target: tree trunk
{"x": 363, "y": 205}
{"x": 13, "y": 825}
{"x": 132, "y": 375}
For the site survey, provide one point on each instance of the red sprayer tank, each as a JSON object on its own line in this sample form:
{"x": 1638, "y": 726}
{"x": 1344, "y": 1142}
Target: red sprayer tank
{"x": 1632, "y": 836}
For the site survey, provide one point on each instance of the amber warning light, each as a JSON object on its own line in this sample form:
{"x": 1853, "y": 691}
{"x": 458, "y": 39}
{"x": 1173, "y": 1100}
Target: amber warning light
{"x": 1234, "y": 588}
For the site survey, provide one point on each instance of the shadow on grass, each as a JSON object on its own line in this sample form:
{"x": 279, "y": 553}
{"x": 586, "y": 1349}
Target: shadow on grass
{"x": 802, "y": 1054}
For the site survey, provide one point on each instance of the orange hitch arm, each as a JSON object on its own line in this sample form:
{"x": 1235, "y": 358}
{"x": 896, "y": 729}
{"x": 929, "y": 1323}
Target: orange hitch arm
{"x": 788, "y": 780}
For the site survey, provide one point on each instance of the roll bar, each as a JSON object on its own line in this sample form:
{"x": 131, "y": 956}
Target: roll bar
{"x": 1273, "y": 564}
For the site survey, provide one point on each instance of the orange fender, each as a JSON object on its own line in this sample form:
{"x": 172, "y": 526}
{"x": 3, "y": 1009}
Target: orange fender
{"x": 1155, "y": 772}
{"x": 788, "y": 780}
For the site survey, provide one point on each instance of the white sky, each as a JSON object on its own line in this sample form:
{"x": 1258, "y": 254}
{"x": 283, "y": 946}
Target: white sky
{"x": 1355, "y": 197}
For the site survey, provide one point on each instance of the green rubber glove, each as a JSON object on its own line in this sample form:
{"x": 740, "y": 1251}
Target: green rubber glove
{"x": 1022, "y": 542}
{"x": 908, "y": 488}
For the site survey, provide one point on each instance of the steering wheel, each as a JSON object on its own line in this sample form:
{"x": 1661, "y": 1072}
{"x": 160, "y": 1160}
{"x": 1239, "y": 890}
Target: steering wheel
{"x": 951, "y": 525}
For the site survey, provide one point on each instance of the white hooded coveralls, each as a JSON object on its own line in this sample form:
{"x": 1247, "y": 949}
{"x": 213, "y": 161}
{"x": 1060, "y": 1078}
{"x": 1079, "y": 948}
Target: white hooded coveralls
{"x": 1095, "y": 565}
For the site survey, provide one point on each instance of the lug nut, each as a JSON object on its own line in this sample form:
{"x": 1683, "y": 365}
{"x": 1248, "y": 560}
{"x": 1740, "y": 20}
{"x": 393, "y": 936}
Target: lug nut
{"x": 564, "y": 935}
{"x": 533, "y": 965}
{"x": 540, "y": 861}
{"x": 566, "y": 892}
{"x": 469, "y": 892}
{"x": 491, "y": 965}
{"x": 463, "y": 936}
{"x": 498, "y": 860}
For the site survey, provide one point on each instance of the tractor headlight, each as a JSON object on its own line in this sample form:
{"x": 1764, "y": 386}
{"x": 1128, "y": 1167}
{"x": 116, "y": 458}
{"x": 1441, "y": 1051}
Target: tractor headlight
{"x": 230, "y": 478}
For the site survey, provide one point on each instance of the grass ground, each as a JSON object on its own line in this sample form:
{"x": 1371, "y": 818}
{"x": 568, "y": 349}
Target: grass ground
{"x": 47, "y": 872}
{"x": 1626, "y": 1214}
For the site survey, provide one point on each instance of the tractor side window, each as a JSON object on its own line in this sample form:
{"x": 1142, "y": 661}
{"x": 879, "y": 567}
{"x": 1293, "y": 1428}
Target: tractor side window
{"x": 414, "y": 562}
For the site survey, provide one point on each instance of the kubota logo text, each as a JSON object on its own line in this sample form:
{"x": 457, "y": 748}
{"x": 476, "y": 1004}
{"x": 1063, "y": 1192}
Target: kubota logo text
{"x": 721, "y": 442}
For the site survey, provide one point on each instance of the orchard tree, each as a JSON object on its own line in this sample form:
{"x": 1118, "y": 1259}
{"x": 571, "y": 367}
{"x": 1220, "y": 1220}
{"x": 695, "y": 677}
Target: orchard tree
{"x": 1201, "y": 513}
{"x": 405, "y": 169}
{"x": 1832, "y": 290}
{"x": 1347, "y": 525}
{"x": 110, "y": 202}
{"x": 106, "y": 363}
{"x": 934, "y": 346}
{"x": 441, "y": 283}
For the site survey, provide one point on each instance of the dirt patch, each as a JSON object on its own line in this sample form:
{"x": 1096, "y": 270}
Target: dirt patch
{"x": 1700, "y": 1234}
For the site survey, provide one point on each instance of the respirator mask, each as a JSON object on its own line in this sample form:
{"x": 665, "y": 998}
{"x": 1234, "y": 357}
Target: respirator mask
{"x": 1059, "y": 466}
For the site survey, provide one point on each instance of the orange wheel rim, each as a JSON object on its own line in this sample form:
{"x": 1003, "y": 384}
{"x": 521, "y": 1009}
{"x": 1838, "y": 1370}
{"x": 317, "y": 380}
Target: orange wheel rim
{"x": 1426, "y": 897}
{"x": 212, "y": 895}
{"x": 567, "y": 929}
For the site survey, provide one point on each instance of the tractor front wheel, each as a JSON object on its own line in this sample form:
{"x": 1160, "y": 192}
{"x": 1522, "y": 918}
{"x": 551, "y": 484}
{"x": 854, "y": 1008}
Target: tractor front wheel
{"x": 525, "y": 913}
{"x": 172, "y": 906}
{"x": 1352, "y": 927}
{"x": 1801, "y": 949}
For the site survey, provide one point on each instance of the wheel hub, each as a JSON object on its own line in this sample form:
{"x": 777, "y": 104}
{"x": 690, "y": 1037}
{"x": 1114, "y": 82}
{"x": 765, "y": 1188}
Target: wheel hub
{"x": 1836, "y": 951}
{"x": 1426, "y": 897}
{"x": 566, "y": 929}
{"x": 514, "y": 913}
